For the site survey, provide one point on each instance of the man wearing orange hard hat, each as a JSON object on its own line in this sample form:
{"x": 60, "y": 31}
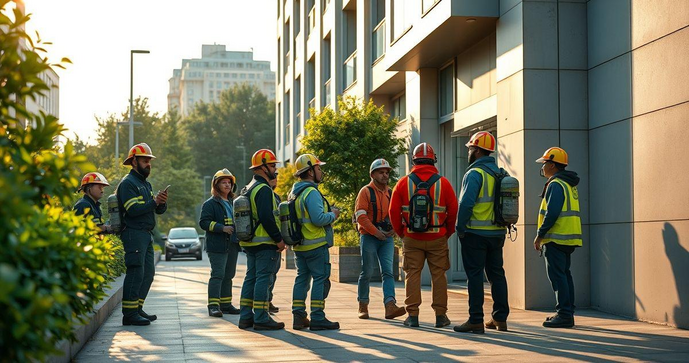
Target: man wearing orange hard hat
{"x": 559, "y": 232}
{"x": 93, "y": 185}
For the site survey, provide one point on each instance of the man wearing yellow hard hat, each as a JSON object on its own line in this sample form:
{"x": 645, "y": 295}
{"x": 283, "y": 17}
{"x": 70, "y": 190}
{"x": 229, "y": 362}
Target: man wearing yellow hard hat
{"x": 559, "y": 232}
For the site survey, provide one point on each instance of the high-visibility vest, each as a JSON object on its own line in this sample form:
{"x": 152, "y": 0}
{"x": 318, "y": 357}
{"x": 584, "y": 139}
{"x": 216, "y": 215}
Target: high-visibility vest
{"x": 482, "y": 215}
{"x": 261, "y": 235}
{"x": 314, "y": 236}
{"x": 567, "y": 229}
{"x": 439, "y": 211}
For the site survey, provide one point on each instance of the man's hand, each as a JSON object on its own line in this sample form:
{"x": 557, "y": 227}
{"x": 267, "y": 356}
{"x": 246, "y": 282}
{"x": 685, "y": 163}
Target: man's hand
{"x": 228, "y": 229}
{"x": 380, "y": 235}
{"x": 161, "y": 198}
{"x": 281, "y": 246}
{"x": 336, "y": 211}
{"x": 537, "y": 243}
{"x": 390, "y": 233}
{"x": 106, "y": 228}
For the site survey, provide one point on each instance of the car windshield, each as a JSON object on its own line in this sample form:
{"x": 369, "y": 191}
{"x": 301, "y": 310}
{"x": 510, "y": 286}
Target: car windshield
{"x": 182, "y": 233}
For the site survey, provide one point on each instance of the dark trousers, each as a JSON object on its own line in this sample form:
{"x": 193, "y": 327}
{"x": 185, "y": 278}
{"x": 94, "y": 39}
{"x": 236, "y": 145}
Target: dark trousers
{"x": 275, "y": 276}
{"x": 557, "y": 263}
{"x": 138, "y": 258}
{"x": 223, "y": 270}
{"x": 479, "y": 254}
{"x": 260, "y": 271}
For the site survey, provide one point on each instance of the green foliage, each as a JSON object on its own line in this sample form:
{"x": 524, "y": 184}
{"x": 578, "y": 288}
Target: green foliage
{"x": 242, "y": 117}
{"x": 116, "y": 265}
{"x": 286, "y": 180}
{"x": 348, "y": 140}
{"x": 53, "y": 266}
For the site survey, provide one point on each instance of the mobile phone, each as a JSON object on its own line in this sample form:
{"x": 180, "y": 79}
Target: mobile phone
{"x": 166, "y": 188}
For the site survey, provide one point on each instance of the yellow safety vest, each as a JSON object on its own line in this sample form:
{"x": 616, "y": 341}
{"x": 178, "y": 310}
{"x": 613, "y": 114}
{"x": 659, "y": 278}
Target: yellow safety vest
{"x": 482, "y": 215}
{"x": 314, "y": 236}
{"x": 261, "y": 236}
{"x": 567, "y": 229}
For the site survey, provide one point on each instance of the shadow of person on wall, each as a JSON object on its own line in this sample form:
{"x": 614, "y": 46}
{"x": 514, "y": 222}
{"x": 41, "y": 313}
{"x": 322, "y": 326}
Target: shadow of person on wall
{"x": 679, "y": 259}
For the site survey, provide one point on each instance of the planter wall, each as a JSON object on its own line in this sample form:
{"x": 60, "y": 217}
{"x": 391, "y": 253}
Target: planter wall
{"x": 345, "y": 264}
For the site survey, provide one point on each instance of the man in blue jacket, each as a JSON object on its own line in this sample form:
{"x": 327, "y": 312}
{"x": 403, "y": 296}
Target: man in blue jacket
{"x": 482, "y": 240}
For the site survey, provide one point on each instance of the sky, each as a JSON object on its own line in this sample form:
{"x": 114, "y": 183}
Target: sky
{"x": 97, "y": 36}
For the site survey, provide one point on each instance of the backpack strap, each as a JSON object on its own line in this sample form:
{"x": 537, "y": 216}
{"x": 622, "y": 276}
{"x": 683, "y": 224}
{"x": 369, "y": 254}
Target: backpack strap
{"x": 374, "y": 204}
{"x": 416, "y": 180}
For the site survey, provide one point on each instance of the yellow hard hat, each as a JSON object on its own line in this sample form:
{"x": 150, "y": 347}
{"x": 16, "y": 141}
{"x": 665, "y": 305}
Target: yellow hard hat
{"x": 482, "y": 139}
{"x": 139, "y": 150}
{"x": 554, "y": 154}
{"x": 263, "y": 157}
{"x": 224, "y": 173}
{"x": 93, "y": 178}
{"x": 306, "y": 161}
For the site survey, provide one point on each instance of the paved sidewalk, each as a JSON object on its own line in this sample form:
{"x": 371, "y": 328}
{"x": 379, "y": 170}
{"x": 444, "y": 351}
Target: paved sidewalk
{"x": 185, "y": 333}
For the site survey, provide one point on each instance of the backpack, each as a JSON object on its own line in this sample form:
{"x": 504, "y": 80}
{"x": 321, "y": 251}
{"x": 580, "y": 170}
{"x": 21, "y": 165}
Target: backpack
{"x": 421, "y": 204}
{"x": 244, "y": 225}
{"x": 290, "y": 223}
{"x": 506, "y": 198}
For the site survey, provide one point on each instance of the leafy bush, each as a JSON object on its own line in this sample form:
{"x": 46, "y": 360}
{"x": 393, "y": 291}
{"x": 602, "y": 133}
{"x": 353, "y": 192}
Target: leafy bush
{"x": 53, "y": 266}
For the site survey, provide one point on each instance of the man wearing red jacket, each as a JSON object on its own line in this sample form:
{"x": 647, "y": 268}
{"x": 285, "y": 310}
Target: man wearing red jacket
{"x": 424, "y": 244}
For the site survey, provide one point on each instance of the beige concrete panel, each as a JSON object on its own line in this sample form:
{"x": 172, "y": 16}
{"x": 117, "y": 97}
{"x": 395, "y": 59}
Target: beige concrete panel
{"x": 535, "y": 142}
{"x": 540, "y": 35}
{"x": 581, "y": 270}
{"x": 413, "y": 104}
{"x": 509, "y": 43}
{"x": 507, "y": 5}
{"x": 660, "y": 194}
{"x": 510, "y": 156}
{"x": 572, "y": 36}
{"x": 428, "y": 88}
{"x": 574, "y": 100}
{"x": 576, "y": 145}
{"x": 612, "y": 268}
{"x": 661, "y": 73}
{"x": 475, "y": 113}
{"x": 646, "y": 26}
{"x": 464, "y": 82}
{"x": 541, "y": 105}
{"x": 661, "y": 272}
{"x": 611, "y": 174}
{"x": 513, "y": 257}
{"x": 511, "y": 104}
{"x": 493, "y": 68}
{"x": 480, "y": 70}
{"x": 610, "y": 91}
{"x": 609, "y": 32}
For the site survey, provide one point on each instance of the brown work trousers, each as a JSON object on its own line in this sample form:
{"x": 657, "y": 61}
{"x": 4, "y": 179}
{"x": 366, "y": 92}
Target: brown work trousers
{"x": 415, "y": 253}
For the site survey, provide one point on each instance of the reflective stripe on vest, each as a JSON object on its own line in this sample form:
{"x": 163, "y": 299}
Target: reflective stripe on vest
{"x": 435, "y": 193}
{"x": 313, "y": 234}
{"x": 261, "y": 235}
{"x": 482, "y": 215}
{"x": 567, "y": 229}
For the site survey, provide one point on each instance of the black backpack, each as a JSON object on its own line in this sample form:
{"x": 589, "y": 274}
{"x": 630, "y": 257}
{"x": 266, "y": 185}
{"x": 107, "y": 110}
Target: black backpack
{"x": 294, "y": 225}
{"x": 421, "y": 204}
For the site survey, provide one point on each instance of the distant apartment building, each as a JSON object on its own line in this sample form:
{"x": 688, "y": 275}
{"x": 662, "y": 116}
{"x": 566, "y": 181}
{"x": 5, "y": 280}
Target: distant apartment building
{"x": 607, "y": 80}
{"x": 203, "y": 79}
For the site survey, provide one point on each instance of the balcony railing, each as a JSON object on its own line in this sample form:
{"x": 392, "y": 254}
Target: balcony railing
{"x": 349, "y": 70}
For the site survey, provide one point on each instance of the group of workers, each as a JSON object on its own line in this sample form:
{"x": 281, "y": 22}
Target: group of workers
{"x": 422, "y": 209}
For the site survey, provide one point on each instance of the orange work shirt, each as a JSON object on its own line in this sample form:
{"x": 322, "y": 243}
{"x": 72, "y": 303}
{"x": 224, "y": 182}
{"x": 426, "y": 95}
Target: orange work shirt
{"x": 363, "y": 209}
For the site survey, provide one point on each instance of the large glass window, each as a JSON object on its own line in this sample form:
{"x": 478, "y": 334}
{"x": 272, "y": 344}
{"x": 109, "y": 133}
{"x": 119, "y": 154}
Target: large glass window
{"x": 349, "y": 66}
{"x": 297, "y": 104}
{"x": 286, "y": 45}
{"x": 404, "y": 12}
{"x": 297, "y": 17}
{"x": 378, "y": 39}
{"x": 399, "y": 107}
{"x": 287, "y": 118}
{"x": 446, "y": 91}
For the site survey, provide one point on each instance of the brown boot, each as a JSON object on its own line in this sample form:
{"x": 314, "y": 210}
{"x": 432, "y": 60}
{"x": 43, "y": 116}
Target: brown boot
{"x": 500, "y": 325}
{"x": 392, "y": 311}
{"x": 468, "y": 327}
{"x": 363, "y": 310}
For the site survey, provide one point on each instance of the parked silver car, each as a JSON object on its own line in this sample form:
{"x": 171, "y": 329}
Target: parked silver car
{"x": 183, "y": 242}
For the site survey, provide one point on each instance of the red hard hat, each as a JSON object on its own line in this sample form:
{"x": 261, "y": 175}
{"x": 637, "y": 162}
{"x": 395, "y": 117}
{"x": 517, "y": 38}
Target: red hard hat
{"x": 424, "y": 151}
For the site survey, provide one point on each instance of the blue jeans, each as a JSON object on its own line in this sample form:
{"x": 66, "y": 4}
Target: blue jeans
{"x": 376, "y": 252}
{"x": 260, "y": 271}
{"x": 311, "y": 264}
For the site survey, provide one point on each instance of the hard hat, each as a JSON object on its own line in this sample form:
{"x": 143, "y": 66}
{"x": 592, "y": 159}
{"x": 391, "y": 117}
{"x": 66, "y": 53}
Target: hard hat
{"x": 379, "y": 164}
{"x": 93, "y": 178}
{"x": 224, "y": 173}
{"x": 424, "y": 151}
{"x": 482, "y": 139}
{"x": 306, "y": 161}
{"x": 554, "y": 154}
{"x": 263, "y": 157}
{"x": 138, "y": 150}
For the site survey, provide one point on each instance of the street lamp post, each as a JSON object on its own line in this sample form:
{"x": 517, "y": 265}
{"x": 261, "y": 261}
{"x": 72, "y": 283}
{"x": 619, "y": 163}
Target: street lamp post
{"x": 243, "y": 161}
{"x": 131, "y": 94}
{"x": 206, "y": 181}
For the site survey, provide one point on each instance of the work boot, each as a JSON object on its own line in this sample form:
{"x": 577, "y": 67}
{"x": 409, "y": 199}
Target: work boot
{"x": 559, "y": 322}
{"x": 324, "y": 324}
{"x": 392, "y": 310}
{"x": 231, "y": 310}
{"x": 300, "y": 322}
{"x": 363, "y": 310}
{"x": 412, "y": 321}
{"x": 135, "y": 320}
{"x": 214, "y": 311}
{"x": 442, "y": 320}
{"x": 245, "y": 323}
{"x": 468, "y": 327}
{"x": 269, "y": 325}
{"x": 499, "y": 325}
{"x": 273, "y": 309}
{"x": 146, "y": 316}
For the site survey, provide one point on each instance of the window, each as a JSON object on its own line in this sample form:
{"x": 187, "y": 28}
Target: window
{"x": 297, "y": 18}
{"x": 378, "y": 40}
{"x": 327, "y": 65}
{"x": 279, "y": 60}
{"x": 297, "y": 104}
{"x": 399, "y": 107}
{"x": 426, "y": 5}
{"x": 286, "y": 46}
{"x": 403, "y": 14}
{"x": 311, "y": 8}
{"x": 287, "y": 119}
{"x": 349, "y": 66}
{"x": 446, "y": 91}
{"x": 310, "y": 85}
{"x": 242, "y": 76}
{"x": 252, "y": 76}
{"x": 325, "y": 4}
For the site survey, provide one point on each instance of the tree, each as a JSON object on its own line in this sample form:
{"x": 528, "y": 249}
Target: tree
{"x": 348, "y": 140}
{"x": 242, "y": 117}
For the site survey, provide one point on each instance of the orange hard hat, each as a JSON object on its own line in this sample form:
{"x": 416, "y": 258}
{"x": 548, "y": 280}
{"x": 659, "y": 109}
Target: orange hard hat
{"x": 263, "y": 157}
{"x": 93, "y": 178}
{"x": 424, "y": 151}
{"x": 482, "y": 139}
{"x": 139, "y": 150}
{"x": 554, "y": 154}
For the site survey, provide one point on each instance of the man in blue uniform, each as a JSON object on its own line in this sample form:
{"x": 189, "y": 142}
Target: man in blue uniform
{"x": 93, "y": 185}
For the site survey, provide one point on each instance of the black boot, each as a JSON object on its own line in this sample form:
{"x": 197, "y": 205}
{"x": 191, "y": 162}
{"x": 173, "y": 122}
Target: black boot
{"x": 442, "y": 320}
{"x": 214, "y": 311}
{"x": 231, "y": 310}
{"x": 412, "y": 321}
{"x": 300, "y": 322}
{"x": 559, "y": 322}
{"x": 273, "y": 309}
{"x": 269, "y": 325}
{"x": 245, "y": 323}
{"x": 324, "y": 324}
{"x": 135, "y": 320}
{"x": 146, "y": 316}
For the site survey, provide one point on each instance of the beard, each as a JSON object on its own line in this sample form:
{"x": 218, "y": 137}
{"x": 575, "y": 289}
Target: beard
{"x": 143, "y": 171}
{"x": 472, "y": 158}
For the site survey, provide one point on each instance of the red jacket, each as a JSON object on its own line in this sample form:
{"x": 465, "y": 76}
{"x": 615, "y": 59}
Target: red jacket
{"x": 447, "y": 199}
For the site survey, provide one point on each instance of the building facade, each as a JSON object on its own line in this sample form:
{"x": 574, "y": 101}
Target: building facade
{"x": 204, "y": 79}
{"x": 607, "y": 80}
